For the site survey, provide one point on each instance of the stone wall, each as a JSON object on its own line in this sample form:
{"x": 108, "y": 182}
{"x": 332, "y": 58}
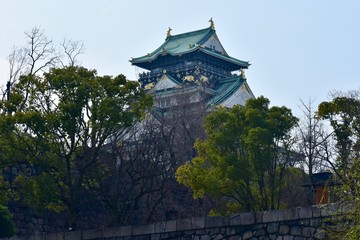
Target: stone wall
{"x": 287, "y": 224}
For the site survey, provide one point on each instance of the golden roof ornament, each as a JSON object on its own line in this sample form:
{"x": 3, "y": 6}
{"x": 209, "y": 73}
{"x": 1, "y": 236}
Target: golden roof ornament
{"x": 242, "y": 74}
{"x": 168, "y": 33}
{"x": 212, "y": 25}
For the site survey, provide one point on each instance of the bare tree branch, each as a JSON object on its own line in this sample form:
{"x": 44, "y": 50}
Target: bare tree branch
{"x": 72, "y": 50}
{"x": 42, "y": 53}
{"x": 312, "y": 137}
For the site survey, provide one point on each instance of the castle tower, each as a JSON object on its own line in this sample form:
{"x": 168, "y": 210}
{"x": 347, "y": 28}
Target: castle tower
{"x": 194, "y": 64}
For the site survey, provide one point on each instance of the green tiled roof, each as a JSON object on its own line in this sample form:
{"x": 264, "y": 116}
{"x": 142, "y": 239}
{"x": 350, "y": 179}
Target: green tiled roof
{"x": 186, "y": 43}
{"x": 226, "y": 57}
{"x": 226, "y": 88}
{"x": 178, "y": 44}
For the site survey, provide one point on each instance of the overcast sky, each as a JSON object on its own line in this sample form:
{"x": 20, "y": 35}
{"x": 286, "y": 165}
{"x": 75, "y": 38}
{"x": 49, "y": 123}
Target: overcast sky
{"x": 297, "y": 49}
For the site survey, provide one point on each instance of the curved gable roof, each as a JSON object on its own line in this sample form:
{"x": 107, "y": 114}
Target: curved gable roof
{"x": 179, "y": 44}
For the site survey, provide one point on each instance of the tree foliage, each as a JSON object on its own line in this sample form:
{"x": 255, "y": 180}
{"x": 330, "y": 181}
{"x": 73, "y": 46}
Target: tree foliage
{"x": 343, "y": 114}
{"x": 7, "y": 226}
{"x": 58, "y": 124}
{"x": 243, "y": 157}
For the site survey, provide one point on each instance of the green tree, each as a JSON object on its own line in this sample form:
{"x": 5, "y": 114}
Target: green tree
{"x": 243, "y": 157}
{"x": 7, "y": 226}
{"x": 343, "y": 114}
{"x": 58, "y": 124}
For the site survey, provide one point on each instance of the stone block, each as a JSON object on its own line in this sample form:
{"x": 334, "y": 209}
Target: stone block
{"x": 247, "y": 235}
{"x": 235, "y": 220}
{"x": 295, "y": 230}
{"x": 170, "y": 226}
{"x": 304, "y": 222}
{"x": 174, "y": 235}
{"x": 225, "y": 221}
{"x": 164, "y": 235}
{"x": 230, "y": 231}
{"x": 316, "y": 211}
{"x": 160, "y": 227}
{"x": 189, "y": 232}
{"x": 281, "y": 213}
{"x": 197, "y": 223}
{"x": 186, "y": 237}
{"x": 304, "y": 212}
{"x": 143, "y": 229}
{"x": 33, "y": 237}
{"x": 241, "y": 229}
{"x": 74, "y": 235}
{"x": 292, "y": 223}
{"x": 55, "y": 236}
{"x": 290, "y": 214}
{"x": 201, "y": 232}
{"x": 218, "y": 237}
{"x": 145, "y": 237}
{"x": 183, "y": 224}
{"x": 284, "y": 229}
{"x": 269, "y": 216}
{"x": 126, "y": 230}
{"x": 211, "y": 222}
{"x": 272, "y": 227}
{"x": 258, "y": 217}
{"x": 299, "y": 238}
{"x": 114, "y": 232}
{"x": 214, "y": 231}
{"x": 92, "y": 234}
{"x": 315, "y": 222}
{"x": 257, "y": 226}
{"x": 234, "y": 238}
{"x": 155, "y": 236}
{"x": 287, "y": 237}
{"x": 260, "y": 232}
{"x": 308, "y": 232}
{"x": 205, "y": 237}
{"x": 247, "y": 218}
{"x": 272, "y": 237}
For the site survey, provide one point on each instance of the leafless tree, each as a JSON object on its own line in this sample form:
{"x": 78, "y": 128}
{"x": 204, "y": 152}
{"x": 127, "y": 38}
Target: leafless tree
{"x": 41, "y": 52}
{"x": 136, "y": 181}
{"x": 71, "y": 49}
{"x": 313, "y": 140}
{"x": 38, "y": 55}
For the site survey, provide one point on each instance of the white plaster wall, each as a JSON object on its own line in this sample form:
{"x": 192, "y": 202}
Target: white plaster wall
{"x": 239, "y": 97}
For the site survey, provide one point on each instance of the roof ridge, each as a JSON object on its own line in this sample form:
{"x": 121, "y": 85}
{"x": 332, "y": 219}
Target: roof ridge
{"x": 190, "y": 33}
{"x": 229, "y": 79}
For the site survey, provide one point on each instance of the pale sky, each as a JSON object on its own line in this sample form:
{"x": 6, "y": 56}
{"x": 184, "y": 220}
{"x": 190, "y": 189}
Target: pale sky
{"x": 297, "y": 49}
